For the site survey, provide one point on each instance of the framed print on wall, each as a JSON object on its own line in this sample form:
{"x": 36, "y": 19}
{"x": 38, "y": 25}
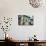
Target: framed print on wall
{"x": 25, "y": 20}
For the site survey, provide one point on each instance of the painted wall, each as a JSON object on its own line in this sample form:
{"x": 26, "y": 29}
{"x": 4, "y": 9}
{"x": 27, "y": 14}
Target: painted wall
{"x": 12, "y": 8}
{"x": 45, "y": 28}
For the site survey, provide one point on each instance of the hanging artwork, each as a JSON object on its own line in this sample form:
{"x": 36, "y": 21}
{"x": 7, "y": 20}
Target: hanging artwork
{"x": 35, "y": 3}
{"x": 25, "y": 20}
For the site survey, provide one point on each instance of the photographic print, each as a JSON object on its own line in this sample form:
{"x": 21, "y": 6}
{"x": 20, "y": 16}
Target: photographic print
{"x": 25, "y": 20}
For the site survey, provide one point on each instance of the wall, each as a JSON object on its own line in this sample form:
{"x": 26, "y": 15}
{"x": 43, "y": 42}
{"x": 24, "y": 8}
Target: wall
{"x": 45, "y": 27}
{"x": 24, "y": 32}
{"x": 12, "y": 8}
